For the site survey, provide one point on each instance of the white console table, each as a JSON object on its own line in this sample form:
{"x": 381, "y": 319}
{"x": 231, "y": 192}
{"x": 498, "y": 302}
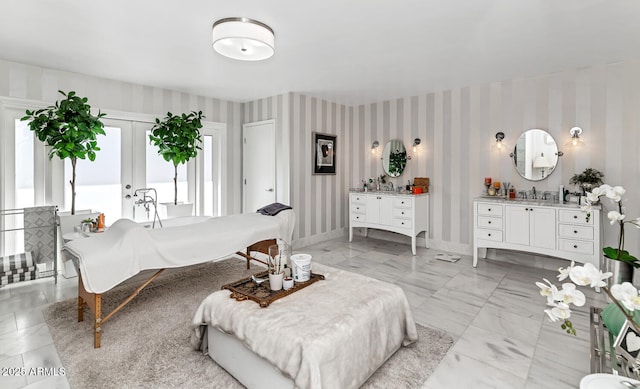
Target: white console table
{"x": 557, "y": 230}
{"x": 406, "y": 214}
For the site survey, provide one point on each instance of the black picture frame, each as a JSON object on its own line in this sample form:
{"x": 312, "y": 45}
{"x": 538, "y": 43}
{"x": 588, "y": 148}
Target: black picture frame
{"x": 323, "y": 153}
{"x": 628, "y": 342}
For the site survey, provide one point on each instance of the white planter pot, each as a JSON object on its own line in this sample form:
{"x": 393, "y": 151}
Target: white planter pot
{"x": 171, "y": 210}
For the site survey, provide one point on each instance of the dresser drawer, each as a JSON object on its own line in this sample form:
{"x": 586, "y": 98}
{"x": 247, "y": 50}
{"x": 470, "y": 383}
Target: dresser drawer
{"x": 493, "y": 235}
{"x": 402, "y": 213}
{"x": 403, "y": 202}
{"x": 574, "y": 217}
{"x": 356, "y": 217}
{"x": 358, "y": 208}
{"x": 576, "y": 246}
{"x": 358, "y": 199}
{"x": 575, "y": 231}
{"x": 489, "y": 209}
{"x": 490, "y": 222}
{"x": 403, "y": 223}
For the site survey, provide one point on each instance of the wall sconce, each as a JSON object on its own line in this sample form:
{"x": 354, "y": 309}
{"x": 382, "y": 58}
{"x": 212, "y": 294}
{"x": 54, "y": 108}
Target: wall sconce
{"x": 575, "y": 137}
{"x": 499, "y": 138}
{"x": 374, "y": 146}
{"x": 416, "y": 142}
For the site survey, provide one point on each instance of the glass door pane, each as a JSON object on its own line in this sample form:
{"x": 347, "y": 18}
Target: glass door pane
{"x": 24, "y": 160}
{"x": 99, "y": 182}
{"x": 160, "y": 174}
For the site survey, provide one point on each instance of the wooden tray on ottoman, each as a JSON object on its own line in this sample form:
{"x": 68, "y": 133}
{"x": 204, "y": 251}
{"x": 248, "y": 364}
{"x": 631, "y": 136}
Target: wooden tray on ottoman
{"x": 247, "y": 289}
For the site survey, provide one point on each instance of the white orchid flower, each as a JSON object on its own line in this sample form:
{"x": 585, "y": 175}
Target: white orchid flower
{"x": 615, "y": 216}
{"x": 560, "y": 311}
{"x": 564, "y": 272}
{"x": 616, "y": 193}
{"x": 545, "y": 290}
{"x": 592, "y": 197}
{"x": 589, "y": 275}
{"x": 571, "y": 295}
{"x": 602, "y": 189}
{"x": 627, "y": 294}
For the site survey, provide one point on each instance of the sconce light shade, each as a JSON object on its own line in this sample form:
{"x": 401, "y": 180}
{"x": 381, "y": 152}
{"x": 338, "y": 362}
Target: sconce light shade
{"x": 499, "y": 138}
{"x": 374, "y": 146}
{"x": 416, "y": 143}
{"x": 243, "y": 39}
{"x": 575, "y": 138}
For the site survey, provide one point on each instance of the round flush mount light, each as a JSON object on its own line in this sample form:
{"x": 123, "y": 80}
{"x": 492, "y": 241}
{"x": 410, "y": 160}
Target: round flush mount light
{"x": 243, "y": 39}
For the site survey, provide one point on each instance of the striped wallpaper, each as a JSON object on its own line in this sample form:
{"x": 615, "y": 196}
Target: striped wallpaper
{"x": 457, "y": 128}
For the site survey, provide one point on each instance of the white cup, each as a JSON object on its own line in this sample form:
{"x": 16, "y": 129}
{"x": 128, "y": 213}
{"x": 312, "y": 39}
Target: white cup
{"x": 287, "y": 283}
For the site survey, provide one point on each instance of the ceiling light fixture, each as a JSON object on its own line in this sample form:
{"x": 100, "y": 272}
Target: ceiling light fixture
{"x": 243, "y": 39}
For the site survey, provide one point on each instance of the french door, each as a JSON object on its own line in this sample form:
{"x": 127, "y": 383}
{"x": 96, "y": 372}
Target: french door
{"x": 126, "y": 162}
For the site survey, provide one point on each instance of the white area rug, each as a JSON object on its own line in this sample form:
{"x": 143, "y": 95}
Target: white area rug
{"x": 146, "y": 345}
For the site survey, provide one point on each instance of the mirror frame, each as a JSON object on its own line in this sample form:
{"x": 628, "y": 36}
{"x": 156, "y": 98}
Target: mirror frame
{"x": 543, "y": 143}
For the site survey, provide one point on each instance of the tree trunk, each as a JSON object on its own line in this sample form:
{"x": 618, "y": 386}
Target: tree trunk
{"x": 175, "y": 185}
{"x": 73, "y": 185}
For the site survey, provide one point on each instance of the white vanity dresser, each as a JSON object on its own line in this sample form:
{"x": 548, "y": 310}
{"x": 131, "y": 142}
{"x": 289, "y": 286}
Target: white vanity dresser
{"x": 406, "y": 214}
{"x": 557, "y": 230}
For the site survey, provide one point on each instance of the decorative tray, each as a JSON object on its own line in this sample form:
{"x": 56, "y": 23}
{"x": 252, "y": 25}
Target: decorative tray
{"x": 248, "y": 289}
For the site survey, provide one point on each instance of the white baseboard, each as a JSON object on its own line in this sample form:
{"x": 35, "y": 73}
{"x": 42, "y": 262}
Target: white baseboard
{"x": 311, "y": 240}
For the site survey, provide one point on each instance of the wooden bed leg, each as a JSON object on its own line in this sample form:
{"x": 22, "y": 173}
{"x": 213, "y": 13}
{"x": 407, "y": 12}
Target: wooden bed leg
{"x": 81, "y": 302}
{"x": 247, "y": 258}
{"x": 80, "y": 309}
{"x": 98, "y": 320}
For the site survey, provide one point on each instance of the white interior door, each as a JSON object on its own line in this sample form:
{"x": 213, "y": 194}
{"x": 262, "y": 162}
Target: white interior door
{"x": 258, "y": 165}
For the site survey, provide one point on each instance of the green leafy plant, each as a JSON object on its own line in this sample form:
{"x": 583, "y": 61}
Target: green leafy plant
{"x": 178, "y": 140}
{"x": 70, "y": 130}
{"x": 587, "y": 179}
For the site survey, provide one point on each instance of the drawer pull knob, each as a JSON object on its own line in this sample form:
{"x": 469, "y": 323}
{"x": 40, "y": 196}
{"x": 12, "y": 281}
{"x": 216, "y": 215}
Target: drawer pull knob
{"x": 488, "y": 234}
{"x": 575, "y": 216}
{"x": 575, "y": 231}
{"x": 489, "y": 222}
{"x": 402, "y": 213}
{"x": 489, "y": 209}
{"x": 575, "y": 246}
{"x": 402, "y": 223}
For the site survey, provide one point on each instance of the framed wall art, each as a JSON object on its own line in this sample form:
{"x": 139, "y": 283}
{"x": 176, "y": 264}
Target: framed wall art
{"x": 324, "y": 153}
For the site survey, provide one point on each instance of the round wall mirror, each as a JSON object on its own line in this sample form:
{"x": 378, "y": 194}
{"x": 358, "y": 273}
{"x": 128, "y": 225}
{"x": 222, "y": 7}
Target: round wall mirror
{"x": 535, "y": 155}
{"x": 394, "y": 158}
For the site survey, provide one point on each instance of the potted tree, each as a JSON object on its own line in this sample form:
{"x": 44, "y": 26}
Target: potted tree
{"x": 70, "y": 130}
{"x": 587, "y": 180}
{"x": 178, "y": 140}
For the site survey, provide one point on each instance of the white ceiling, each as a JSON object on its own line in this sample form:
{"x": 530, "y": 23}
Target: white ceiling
{"x": 347, "y": 51}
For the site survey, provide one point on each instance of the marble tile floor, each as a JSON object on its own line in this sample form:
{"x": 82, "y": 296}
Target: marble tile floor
{"x": 494, "y": 313}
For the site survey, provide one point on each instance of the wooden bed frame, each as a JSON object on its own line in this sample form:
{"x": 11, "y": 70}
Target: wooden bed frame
{"x": 93, "y": 301}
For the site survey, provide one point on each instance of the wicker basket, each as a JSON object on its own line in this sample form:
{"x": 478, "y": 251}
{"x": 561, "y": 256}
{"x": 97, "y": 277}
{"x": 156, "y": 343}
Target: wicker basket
{"x": 422, "y": 182}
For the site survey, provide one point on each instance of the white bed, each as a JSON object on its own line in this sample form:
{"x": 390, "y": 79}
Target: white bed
{"x": 126, "y": 248}
{"x": 332, "y": 334}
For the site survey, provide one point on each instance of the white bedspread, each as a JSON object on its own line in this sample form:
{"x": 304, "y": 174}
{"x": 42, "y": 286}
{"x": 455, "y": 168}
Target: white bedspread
{"x": 126, "y": 248}
{"x": 332, "y": 334}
